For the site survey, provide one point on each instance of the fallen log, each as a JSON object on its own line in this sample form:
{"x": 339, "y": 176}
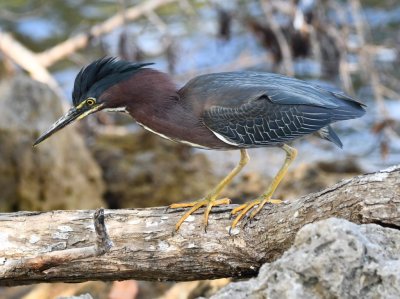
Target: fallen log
{"x": 145, "y": 247}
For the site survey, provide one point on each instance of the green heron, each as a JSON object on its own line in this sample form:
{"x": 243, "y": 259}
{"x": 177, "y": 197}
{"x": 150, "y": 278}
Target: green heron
{"x": 221, "y": 111}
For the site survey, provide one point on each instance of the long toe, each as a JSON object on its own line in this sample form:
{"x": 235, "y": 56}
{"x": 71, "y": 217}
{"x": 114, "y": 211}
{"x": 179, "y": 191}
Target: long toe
{"x": 262, "y": 204}
{"x": 256, "y": 204}
{"x": 243, "y": 209}
{"x": 209, "y": 203}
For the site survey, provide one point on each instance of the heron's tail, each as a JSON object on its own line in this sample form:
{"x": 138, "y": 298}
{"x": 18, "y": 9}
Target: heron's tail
{"x": 329, "y": 134}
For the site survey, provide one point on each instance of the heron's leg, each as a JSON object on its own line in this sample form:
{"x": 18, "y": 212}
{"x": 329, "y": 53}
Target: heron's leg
{"x": 291, "y": 154}
{"x": 211, "y": 199}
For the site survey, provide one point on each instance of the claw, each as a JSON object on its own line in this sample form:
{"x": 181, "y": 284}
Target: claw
{"x": 256, "y": 204}
{"x": 261, "y": 205}
{"x": 208, "y": 202}
{"x": 239, "y": 208}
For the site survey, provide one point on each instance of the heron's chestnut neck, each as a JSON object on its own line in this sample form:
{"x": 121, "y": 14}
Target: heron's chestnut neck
{"x": 146, "y": 88}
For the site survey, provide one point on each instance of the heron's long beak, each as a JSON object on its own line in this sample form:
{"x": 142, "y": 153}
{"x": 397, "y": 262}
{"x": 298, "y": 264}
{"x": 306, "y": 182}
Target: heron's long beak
{"x": 72, "y": 115}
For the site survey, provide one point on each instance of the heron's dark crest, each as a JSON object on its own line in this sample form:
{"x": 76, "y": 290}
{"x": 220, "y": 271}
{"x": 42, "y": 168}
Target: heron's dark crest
{"x": 101, "y": 74}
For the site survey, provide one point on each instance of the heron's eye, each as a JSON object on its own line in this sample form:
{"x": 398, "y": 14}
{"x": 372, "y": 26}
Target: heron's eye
{"x": 90, "y": 101}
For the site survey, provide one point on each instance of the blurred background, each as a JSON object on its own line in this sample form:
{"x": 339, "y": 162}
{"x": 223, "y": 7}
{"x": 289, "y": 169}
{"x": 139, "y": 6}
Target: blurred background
{"x": 107, "y": 160}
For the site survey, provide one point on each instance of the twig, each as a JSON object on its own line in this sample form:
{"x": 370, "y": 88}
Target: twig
{"x": 283, "y": 44}
{"x": 340, "y": 37}
{"x": 365, "y": 56}
{"x": 70, "y": 46}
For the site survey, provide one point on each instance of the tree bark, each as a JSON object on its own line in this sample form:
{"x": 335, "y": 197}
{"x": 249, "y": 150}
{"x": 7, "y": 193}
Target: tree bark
{"x": 145, "y": 247}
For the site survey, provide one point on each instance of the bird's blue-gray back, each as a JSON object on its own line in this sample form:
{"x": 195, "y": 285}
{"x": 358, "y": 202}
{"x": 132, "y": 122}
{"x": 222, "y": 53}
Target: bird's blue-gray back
{"x": 261, "y": 109}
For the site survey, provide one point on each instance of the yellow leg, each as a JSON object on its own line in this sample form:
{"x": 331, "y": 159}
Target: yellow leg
{"x": 291, "y": 154}
{"x": 211, "y": 199}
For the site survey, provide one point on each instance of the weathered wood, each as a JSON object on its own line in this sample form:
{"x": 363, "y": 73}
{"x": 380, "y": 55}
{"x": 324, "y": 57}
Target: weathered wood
{"x": 145, "y": 247}
{"x": 27, "y": 60}
{"x": 80, "y": 41}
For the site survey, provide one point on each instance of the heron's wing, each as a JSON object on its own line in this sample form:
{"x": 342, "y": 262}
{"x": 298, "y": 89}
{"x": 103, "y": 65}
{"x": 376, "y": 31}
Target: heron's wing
{"x": 261, "y": 122}
{"x": 236, "y": 88}
{"x": 290, "y": 91}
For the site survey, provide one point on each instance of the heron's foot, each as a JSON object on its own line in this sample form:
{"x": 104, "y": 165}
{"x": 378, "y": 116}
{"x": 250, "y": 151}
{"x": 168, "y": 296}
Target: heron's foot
{"x": 245, "y": 208}
{"x": 208, "y": 202}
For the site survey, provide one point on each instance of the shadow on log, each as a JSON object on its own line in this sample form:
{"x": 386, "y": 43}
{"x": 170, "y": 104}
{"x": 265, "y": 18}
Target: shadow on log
{"x": 146, "y": 248}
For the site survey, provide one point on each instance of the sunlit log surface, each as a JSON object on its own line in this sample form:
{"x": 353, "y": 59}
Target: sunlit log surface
{"x": 145, "y": 248}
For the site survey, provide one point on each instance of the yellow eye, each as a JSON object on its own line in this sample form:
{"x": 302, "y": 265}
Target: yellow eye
{"x": 90, "y": 101}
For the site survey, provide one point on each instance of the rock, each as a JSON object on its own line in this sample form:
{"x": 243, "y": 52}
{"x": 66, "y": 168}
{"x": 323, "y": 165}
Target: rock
{"x": 332, "y": 258}
{"x": 143, "y": 170}
{"x": 58, "y": 174}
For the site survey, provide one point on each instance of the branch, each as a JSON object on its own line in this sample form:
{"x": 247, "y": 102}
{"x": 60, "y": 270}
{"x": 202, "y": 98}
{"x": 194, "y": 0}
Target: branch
{"x": 53, "y": 258}
{"x": 145, "y": 247}
{"x": 27, "y": 60}
{"x": 70, "y": 46}
{"x": 366, "y": 59}
{"x": 37, "y": 63}
{"x": 280, "y": 37}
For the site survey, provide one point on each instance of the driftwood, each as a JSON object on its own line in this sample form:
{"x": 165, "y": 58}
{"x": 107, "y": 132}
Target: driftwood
{"x": 145, "y": 247}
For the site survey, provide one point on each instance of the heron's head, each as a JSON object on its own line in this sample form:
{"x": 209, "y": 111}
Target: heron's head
{"x": 90, "y": 90}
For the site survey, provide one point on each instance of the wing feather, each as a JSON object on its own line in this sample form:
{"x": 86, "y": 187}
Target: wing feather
{"x": 237, "y": 88}
{"x": 263, "y": 123}
{"x": 253, "y": 109}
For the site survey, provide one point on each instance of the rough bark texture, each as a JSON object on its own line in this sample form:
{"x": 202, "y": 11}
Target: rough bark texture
{"x": 145, "y": 247}
{"x": 331, "y": 258}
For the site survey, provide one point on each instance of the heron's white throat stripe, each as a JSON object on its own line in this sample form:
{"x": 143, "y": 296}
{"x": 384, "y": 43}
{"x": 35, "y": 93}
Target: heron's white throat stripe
{"x": 118, "y": 109}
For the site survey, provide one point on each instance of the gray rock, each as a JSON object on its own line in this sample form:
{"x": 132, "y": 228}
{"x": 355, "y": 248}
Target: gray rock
{"x": 333, "y": 258}
{"x": 58, "y": 174}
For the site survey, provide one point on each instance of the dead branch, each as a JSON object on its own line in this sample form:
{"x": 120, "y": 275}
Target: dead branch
{"x": 366, "y": 59}
{"x": 70, "y": 46}
{"x": 340, "y": 36}
{"x": 27, "y": 60}
{"x": 146, "y": 248}
{"x": 37, "y": 63}
{"x": 283, "y": 43}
